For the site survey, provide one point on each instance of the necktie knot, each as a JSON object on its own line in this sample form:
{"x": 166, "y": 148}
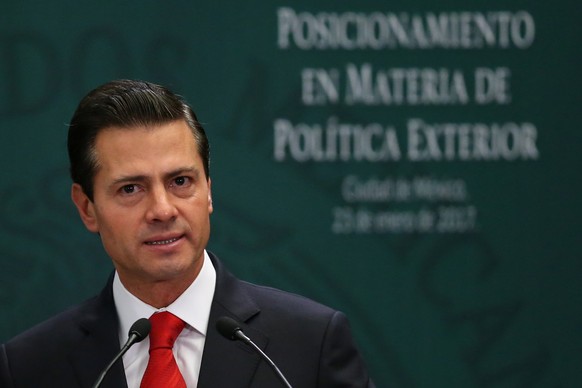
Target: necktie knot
{"x": 166, "y": 327}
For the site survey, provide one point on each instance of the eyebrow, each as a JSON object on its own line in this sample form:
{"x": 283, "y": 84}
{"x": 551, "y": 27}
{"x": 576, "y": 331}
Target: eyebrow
{"x": 144, "y": 178}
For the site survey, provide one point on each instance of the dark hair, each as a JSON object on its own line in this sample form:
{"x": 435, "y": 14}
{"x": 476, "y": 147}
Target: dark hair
{"x": 124, "y": 104}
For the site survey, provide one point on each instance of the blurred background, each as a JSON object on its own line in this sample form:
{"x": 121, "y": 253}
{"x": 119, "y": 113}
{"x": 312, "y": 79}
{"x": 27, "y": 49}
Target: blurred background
{"x": 412, "y": 164}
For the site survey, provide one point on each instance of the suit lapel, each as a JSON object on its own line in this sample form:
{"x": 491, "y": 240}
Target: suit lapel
{"x": 226, "y": 363}
{"x": 100, "y": 343}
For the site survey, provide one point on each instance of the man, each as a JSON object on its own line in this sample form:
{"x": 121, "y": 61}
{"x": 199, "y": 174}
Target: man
{"x": 140, "y": 168}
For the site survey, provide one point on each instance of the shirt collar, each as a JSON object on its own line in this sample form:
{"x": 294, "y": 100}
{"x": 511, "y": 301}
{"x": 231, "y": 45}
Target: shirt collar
{"x": 193, "y": 306}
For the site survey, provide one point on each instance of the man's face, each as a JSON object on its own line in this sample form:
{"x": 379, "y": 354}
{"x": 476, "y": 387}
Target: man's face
{"x": 151, "y": 204}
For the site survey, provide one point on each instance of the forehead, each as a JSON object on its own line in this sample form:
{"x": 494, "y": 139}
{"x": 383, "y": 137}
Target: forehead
{"x": 173, "y": 142}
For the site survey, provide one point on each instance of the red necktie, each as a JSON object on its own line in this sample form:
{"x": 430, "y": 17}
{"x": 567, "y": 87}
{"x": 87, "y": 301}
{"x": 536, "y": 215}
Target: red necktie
{"x": 162, "y": 370}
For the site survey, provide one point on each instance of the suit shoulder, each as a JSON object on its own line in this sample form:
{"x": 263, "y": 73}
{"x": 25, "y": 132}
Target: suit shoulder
{"x": 282, "y": 302}
{"x": 63, "y": 325}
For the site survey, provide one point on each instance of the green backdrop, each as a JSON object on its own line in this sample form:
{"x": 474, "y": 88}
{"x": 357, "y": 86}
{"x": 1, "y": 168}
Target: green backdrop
{"x": 410, "y": 163}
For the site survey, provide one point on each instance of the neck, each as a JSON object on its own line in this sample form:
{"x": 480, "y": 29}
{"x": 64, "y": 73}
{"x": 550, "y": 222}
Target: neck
{"x": 159, "y": 295}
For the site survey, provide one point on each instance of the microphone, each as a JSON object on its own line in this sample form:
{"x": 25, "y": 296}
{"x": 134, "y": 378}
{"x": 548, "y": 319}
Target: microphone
{"x": 138, "y": 331}
{"x": 230, "y": 329}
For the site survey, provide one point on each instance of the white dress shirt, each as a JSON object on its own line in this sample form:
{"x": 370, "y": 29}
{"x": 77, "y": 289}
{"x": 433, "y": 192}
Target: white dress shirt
{"x": 193, "y": 307}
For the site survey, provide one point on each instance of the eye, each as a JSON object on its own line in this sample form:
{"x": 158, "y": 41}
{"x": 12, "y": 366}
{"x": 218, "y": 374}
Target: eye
{"x": 129, "y": 189}
{"x": 181, "y": 181}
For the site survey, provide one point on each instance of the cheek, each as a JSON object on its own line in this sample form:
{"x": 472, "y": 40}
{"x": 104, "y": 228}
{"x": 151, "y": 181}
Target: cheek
{"x": 117, "y": 242}
{"x": 113, "y": 224}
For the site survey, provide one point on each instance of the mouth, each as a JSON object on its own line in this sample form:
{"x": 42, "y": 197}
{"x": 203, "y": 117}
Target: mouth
{"x": 163, "y": 242}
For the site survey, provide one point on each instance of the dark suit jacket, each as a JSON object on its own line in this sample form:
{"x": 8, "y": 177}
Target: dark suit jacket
{"x": 310, "y": 343}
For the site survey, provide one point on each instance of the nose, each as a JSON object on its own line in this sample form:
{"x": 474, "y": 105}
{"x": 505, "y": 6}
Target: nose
{"x": 161, "y": 207}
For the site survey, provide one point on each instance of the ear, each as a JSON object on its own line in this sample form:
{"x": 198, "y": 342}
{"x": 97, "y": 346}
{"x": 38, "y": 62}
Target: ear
{"x": 210, "y": 206}
{"x": 85, "y": 207}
